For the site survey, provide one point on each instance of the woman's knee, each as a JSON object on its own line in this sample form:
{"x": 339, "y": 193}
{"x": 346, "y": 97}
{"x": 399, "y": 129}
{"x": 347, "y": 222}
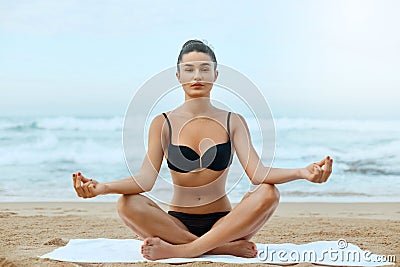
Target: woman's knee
{"x": 129, "y": 204}
{"x": 268, "y": 196}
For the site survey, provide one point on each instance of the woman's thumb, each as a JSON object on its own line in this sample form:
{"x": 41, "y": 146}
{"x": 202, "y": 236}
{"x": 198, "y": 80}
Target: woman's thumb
{"x": 85, "y": 180}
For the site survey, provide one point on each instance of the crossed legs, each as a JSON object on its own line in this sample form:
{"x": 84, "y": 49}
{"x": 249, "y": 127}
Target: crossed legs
{"x": 165, "y": 236}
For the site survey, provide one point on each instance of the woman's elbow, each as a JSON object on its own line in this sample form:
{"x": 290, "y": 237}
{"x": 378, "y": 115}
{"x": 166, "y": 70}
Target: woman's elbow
{"x": 145, "y": 182}
{"x": 259, "y": 176}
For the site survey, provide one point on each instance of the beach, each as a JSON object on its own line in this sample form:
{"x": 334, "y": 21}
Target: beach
{"x": 31, "y": 229}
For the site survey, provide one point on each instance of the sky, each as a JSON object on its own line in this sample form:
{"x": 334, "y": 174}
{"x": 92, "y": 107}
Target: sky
{"x": 310, "y": 58}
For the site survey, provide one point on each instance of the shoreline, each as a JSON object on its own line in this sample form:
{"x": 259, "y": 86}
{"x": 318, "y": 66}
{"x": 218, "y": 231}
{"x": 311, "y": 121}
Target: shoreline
{"x": 31, "y": 229}
{"x": 366, "y": 210}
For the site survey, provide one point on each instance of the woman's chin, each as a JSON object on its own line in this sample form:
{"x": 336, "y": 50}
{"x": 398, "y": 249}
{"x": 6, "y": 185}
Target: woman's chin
{"x": 198, "y": 93}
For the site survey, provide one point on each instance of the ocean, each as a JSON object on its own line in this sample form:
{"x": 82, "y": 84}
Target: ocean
{"x": 39, "y": 154}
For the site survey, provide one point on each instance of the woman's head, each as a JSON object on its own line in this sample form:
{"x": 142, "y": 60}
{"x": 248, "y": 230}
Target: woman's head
{"x": 196, "y": 69}
{"x": 196, "y": 46}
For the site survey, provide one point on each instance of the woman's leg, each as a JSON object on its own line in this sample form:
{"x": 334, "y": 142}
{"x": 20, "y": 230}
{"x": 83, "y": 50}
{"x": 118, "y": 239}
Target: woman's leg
{"x": 263, "y": 218}
{"x": 241, "y": 223}
{"x": 147, "y": 219}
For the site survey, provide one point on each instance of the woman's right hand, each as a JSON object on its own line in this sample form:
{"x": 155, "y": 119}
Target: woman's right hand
{"x": 87, "y": 188}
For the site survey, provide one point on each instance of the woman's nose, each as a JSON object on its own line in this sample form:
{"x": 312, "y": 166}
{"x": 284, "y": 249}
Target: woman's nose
{"x": 197, "y": 75}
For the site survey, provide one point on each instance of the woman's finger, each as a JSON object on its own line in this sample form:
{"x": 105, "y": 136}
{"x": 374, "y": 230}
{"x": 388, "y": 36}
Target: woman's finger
{"x": 325, "y": 172}
{"x": 323, "y": 161}
{"x": 328, "y": 170}
{"x": 318, "y": 174}
{"x": 84, "y": 179}
{"x": 74, "y": 181}
{"x": 85, "y": 189}
{"x": 78, "y": 186}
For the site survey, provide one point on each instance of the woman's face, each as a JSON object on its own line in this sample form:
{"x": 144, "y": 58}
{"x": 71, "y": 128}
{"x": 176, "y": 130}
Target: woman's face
{"x": 196, "y": 74}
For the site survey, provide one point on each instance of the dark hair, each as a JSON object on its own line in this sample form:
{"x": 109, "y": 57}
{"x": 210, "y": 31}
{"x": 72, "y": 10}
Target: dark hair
{"x": 198, "y": 46}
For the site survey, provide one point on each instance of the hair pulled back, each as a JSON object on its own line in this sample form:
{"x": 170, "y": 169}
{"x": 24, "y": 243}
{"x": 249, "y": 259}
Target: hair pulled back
{"x": 198, "y": 46}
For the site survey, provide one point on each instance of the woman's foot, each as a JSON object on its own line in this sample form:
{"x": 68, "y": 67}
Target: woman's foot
{"x": 240, "y": 248}
{"x": 154, "y": 248}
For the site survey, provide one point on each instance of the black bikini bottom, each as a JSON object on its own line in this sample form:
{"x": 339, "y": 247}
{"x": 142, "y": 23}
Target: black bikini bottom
{"x": 198, "y": 224}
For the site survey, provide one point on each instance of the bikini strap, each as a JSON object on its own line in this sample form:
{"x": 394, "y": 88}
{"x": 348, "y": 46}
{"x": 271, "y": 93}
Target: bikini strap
{"x": 169, "y": 126}
{"x": 228, "y": 119}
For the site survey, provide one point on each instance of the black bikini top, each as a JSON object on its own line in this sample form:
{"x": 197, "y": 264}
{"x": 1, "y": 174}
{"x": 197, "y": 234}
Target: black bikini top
{"x": 184, "y": 159}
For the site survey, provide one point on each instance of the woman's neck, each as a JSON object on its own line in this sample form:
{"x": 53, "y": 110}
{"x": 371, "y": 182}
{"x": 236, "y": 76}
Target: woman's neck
{"x": 197, "y": 106}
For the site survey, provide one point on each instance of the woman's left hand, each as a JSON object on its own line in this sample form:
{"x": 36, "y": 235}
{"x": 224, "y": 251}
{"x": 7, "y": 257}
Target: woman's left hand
{"x": 316, "y": 173}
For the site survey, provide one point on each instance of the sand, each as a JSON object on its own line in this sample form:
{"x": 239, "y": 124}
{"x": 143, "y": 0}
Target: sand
{"x": 32, "y": 229}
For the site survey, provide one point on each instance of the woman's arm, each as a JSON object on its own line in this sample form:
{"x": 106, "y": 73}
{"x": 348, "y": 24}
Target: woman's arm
{"x": 258, "y": 173}
{"x": 141, "y": 182}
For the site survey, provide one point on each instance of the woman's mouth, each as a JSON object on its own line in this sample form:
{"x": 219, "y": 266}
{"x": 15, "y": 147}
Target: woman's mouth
{"x": 197, "y": 84}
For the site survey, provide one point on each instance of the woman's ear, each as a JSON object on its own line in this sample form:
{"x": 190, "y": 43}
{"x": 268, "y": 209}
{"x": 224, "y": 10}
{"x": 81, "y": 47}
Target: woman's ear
{"x": 215, "y": 75}
{"x": 178, "y": 76}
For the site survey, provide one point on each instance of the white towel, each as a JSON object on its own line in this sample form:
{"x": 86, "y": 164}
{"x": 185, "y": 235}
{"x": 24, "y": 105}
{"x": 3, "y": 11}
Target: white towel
{"x": 335, "y": 253}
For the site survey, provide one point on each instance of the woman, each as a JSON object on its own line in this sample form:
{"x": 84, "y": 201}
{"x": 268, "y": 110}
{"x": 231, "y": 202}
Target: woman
{"x": 199, "y": 141}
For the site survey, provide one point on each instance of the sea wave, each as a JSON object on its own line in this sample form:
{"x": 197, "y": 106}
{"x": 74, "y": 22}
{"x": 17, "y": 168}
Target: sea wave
{"x": 48, "y": 148}
{"x": 366, "y": 154}
{"x": 63, "y": 123}
{"x": 116, "y": 123}
{"x": 366, "y": 125}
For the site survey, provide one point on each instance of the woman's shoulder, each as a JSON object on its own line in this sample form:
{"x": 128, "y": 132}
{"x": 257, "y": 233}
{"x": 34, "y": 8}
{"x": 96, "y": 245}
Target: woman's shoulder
{"x": 237, "y": 120}
{"x": 235, "y": 115}
{"x": 225, "y": 112}
{"x": 167, "y": 113}
{"x": 157, "y": 121}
